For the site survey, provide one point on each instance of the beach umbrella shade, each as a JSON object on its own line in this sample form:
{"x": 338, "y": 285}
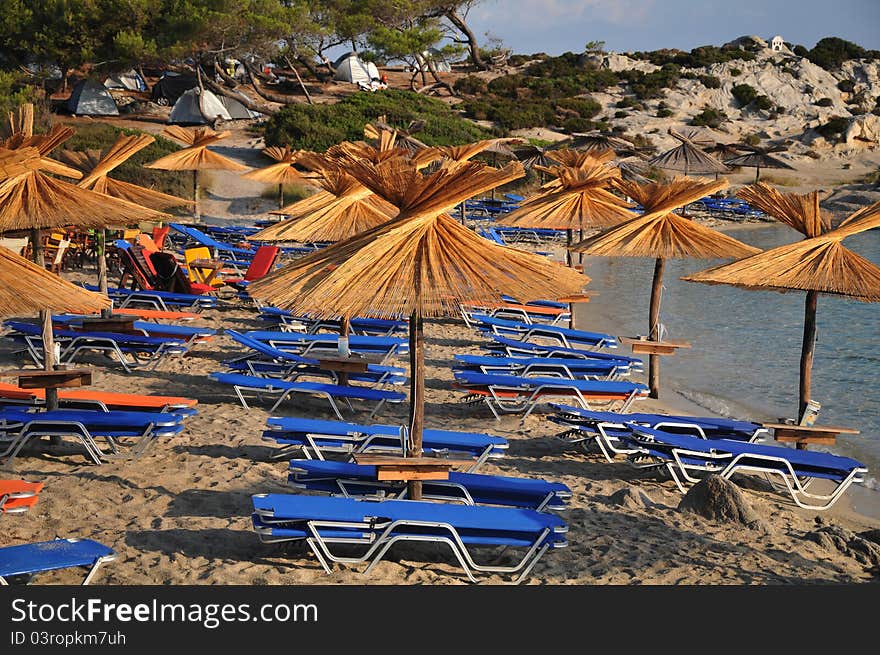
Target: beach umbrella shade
{"x": 598, "y": 141}
{"x": 26, "y": 288}
{"x": 580, "y": 201}
{"x": 420, "y": 264}
{"x": 758, "y": 158}
{"x": 661, "y": 234}
{"x": 819, "y": 263}
{"x": 687, "y": 157}
{"x": 196, "y": 156}
{"x": 465, "y": 152}
{"x": 21, "y": 135}
{"x": 378, "y": 130}
{"x": 281, "y": 172}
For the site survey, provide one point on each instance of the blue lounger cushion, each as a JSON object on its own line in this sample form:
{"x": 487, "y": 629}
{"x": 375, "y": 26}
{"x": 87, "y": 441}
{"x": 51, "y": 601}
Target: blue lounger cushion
{"x": 335, "y": 390}
{"x": 93, "y": 419}
{"x": 167, "y": 296}
{"x": 124, "y": 341}
{"x": 355, "y": 341}
{"x": 484, "y": 489}
{"x": 544, "y": 350}
{"x": 580, "y": 336}
{"x": 587, "y": 366}
{"x": 715, "y": 424}
{"x": 470, "y": 378}
{"x": 24, "y": 559}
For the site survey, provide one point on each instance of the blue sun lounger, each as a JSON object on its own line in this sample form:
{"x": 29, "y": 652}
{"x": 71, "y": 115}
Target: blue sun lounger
{"x": 682, "y": 456}
{"x": 284, "y": 389}
{"x": 188, "y": 333}
{"x": 216, "y": 246}
{"x": 571, "y": 369}
{"x": 360, "y": 480}
{"x": 323, "y": 522}
{"x": 279, "y": 363}
{"x": 22, "y": 562}
{"x": 315, "y": 438}
{"x": 515, "y": 348}
{"x": 377, "y": 327}
{"x": 538, "y": 303}
{"x": 130, "y": 350}
{"x": 305, "y": 344}
{"x": 564, "y": 337}
{"x": 609, "y": 431}
{"x": 160, "y": 300}
{"x": 514, "y": 394}
{"x": 128, "y": 435}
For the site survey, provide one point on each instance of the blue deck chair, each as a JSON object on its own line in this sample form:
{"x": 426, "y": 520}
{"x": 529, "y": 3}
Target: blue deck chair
{"x": 161, "y": 300}
{"x": 514, "y": 394}
{"x": 216, "y": 246}
{"x": 128, "y": 435}
{"x": 564, "y": 337}
{"x": 130, "y": 350}
{"x": 279, "y": 363}
{"x": 188, "y": 333}
{"x": 315, "y": 438}
{"x": 492, "y": 235}
{"x": 360, "y": 480}
{"x": 328, "y": 344}
{"x": 323, "y": 522}
{"x": 610, "y": 431}
{"x": 359, "y": 325}
{"x": 571, "y": 369}
{"x": 528, "y": 314}
{"x": 515, "y": 348}
{"x": 284, "y": 389}
{"x": 683, "y": 456}
{"x": 539, "y": 303}
{"x": 19, "y": 564}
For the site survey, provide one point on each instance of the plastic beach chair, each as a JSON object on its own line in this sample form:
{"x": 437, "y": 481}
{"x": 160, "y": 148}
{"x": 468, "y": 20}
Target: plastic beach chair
{"x": 685, "y": 457}
{"x": 18, "y": 496}
{"x": 564, "y": 337}
{"x": 21, "y": 563}
{"x": 324, "y": 522}
{"x": 360, "y": 480}
{"x": 514, "y": 348}
{"x": 571, "y": 369}
{"x": 101, "y": 400}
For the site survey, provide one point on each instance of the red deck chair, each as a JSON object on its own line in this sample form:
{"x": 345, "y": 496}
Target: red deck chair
{"x": 261, "y": 265}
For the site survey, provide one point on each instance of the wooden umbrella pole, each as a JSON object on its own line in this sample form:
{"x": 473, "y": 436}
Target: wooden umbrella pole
{"x": 463, "y": 215}
{"x": 197, "y": 213}
{"x": 37, "y": 248}
{"x": 807, "y": 349}
{"x": 567, "y": 246}
{"x": 654, "y": 327}
{"x": 281, "y": 195}
{"x": 101, "y": 238}
{"x": 48, "y": 355}
{"x": 757, "y": 174}
{"x": 416, "y": 395}
{"x": 344, "y": 330}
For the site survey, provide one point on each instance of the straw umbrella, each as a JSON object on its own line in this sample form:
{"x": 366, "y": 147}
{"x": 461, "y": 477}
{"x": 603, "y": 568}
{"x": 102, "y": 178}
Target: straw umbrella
{"x": 599, "y": 141}
{"x": 26, "y": 288}
{"x": 581, "y": 200}
{"x": 758, "y": 158}
{"x": 21, "y": 135}
{"x": 464, "y": 152}
{"x": 819, "y": 263}
{"x": 661, "y": 234}
{"x": 403, "y": 137}
{"x": 421, "y": 264}
{"x": 282, "y": 172}
{"x": 687, "y": 157}
{"x": 196, "y": 156}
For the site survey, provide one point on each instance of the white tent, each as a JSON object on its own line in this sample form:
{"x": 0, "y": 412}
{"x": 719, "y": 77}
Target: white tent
{"x": 187, "y": 110}
{"x": 130, "y": 80}
{"x": 433, "y": 58}
{"x": 351, "y": 68}
{"x": 236, "y": 109}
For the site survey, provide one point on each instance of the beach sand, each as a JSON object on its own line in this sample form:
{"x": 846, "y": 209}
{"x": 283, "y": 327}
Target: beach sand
{"x": 181, "y": 514}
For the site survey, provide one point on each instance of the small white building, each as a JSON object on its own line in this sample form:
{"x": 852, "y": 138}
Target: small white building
{"x": 777, "y": 43}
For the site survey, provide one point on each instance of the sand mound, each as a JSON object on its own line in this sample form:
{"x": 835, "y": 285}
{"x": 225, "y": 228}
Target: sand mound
{"x": 629, "y": 498}
{"x": 719, "y": 500}
{"x": 863, "y": 549}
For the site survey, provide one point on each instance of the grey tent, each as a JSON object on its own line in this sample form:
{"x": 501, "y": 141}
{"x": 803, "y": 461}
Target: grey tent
{"x": 433, "y": 58}
{"x": 90, "y": 98}
{"x": 130, "y": 80}
{"x": 351, "y": 68}
{"x": 236, "y": 109}
{"x": 194, "y": 108}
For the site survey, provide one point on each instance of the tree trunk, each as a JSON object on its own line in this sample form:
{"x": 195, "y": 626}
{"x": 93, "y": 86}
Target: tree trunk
{"x": 344, "y": 330}
{"x": 48, "y": 355}
{"x": 473, "y": 47}
{"x": 654, "y": 327}
{"x": 416, "y": 395}
{"x": 807, "y": 349}
{"x": 299, "y": 79}
{"x": 310, "y": 67}
{"x": 242, "y": 98}
{"x": 280, "y": 195}
{"x": 267, "y": 95}
{"x": 757, "y": 174}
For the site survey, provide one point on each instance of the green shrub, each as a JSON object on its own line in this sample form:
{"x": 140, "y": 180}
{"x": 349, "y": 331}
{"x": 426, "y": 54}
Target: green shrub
{"x": 470, "y": 85}
{"x": 800, "y": 51}
{"x": 763, "y": 102}
{"x": 317, "y": 127}
{"x": 652, "y": 85}
{"x": 824, "y": 102}
{"x": 709, "y": 117}
{"x": 744, "y": 94}
{"x": 100, "y": 136}
{"x": 833, "y": 128}
{"x": 831, "y": 52}
{"x": 620, "y": 114}
{"x": 14, "y": 93}
{"x": 710, "y": 81}
{"x": 664, "y": 113}
{"x": 697, "y": 58}
{"x": 623, "y": 103}
{"x": 735, "y": 72}
{"x": 752, "y": 140}
{"x": 847, "y": 86}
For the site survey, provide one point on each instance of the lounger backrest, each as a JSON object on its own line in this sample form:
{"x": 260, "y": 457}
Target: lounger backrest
{"x": 262, "y": 264}
{"x": 190, "y": 255}
{"x": 265, "y": 348}
{"x": 141, "y": 256}
{"x": 140, "y": 277}
{"x": 170, "y": 276}
{"x": 159, "y": 236}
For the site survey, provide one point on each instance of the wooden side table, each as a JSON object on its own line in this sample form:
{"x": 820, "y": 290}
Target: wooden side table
{"x": 803, "y": 435}
{"x": 406, "y": 469}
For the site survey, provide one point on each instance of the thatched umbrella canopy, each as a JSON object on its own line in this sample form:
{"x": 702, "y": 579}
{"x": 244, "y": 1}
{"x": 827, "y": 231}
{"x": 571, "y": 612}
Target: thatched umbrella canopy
{"x": 598, "y": 141}
{"x": 379, "y": 130}
{"x": 97, "y": 165}
{"x": 422, "y": 263}
{"x": 196, "y": 156}
{"x": 21, "y": 135}
{"x": 758, "y": 158}
{"x": 661, "y": 234}
{"x": 819, "y": 263}
{"x": 633, "y": 170}
{"x": 282, "y": 171}
{"x": 531, "y": 155}
{"x": 687, "y": 157}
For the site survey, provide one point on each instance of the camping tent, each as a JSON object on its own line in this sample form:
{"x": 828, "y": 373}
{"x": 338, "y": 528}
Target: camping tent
{"x": 236, "y": 109}
{"x": 186, "y": 110}
{"x": 170, "y": 87}
{"x": 351, "y": 68}
{"x": 130, "y": 80}
{"x": 89, "y": 98}
{"x": 433, "y": 58}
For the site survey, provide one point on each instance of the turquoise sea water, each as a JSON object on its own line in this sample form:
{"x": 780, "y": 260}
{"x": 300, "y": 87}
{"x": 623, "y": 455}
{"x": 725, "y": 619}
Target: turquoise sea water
{"x": 746, "y": 344}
